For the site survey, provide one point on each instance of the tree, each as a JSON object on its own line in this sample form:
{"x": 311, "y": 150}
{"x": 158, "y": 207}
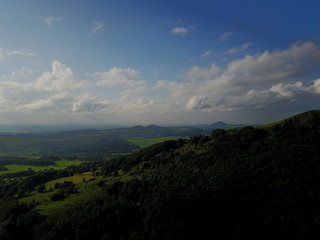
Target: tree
{"x": 41, "y": 188}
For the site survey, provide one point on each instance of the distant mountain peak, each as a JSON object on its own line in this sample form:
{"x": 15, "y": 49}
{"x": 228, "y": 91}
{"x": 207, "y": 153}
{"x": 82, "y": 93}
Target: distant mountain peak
{"x": 219, "y": 124}
{"x": 153, "y": 126}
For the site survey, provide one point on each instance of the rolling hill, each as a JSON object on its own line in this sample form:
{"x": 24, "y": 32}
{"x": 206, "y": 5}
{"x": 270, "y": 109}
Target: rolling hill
{"x": 95, "y": 141}
{"x": 247, "y": 183}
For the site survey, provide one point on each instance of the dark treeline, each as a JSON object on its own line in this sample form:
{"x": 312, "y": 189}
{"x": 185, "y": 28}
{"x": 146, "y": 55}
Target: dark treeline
{"x": 233, "y": 184}
{"x": 43, "y": 161}
{"x": 85, "y": 145}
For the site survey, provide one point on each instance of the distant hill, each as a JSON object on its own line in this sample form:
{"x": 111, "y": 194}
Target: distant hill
{"x": 222, "y": 125}
{"x": 87, "y": 141}
{"x": 153, "y": 131}
{"x": 80, "y": 142}
{"x": 98, "y": 141}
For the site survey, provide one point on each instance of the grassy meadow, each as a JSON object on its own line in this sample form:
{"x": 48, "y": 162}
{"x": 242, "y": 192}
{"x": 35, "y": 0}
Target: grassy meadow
{"x": 86, "y": 190}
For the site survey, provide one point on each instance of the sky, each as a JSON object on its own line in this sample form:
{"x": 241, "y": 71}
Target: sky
{"x": 158, "y": 62}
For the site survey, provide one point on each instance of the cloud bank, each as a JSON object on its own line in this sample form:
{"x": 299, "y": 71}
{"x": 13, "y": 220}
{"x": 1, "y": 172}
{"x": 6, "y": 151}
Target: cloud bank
{"x": 258, "y": 81}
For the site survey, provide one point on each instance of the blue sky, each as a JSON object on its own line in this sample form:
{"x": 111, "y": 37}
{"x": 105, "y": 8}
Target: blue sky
{"x": 157, "y": 62}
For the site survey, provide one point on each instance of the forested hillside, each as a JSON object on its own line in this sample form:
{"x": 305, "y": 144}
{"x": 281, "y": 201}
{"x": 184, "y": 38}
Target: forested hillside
{"x": 249, "y": 183}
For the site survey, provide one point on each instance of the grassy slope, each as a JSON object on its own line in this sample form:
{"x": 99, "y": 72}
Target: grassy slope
{"x": 86, "y": 191}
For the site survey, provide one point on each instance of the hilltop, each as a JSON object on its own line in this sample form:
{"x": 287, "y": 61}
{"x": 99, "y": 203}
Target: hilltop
{"x": 310, "y": 119}
{"x": 220, "y": 125}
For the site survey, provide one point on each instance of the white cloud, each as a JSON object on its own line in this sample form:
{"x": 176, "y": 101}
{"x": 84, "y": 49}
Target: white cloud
{"x": 275, "y": 66}
{"x": 206, "y": 54}
{"x": 288, "y": 90}
{"x": 47, "y": 92}
{"x": 22, "y": 72}
{"x": 225, "y": 36}
{"x": 198, "y": 102}
{"x": 180, "y": 31}
{"x": 118, "y": 76}
{"x": 61, "y": 78}
{"x": 315, "y": 88}
{"x": 98, "y": 27}
{"x": 57, "y": 102}
{"x": 243, "y": 47}
{"x": 50, "y": 20}
{"x": 87, "y": 103}
{"x": 236, "y": 87}
{"x": 253, "y": 82}
{"x": 23, "y": 52}
{"x": 196, "y": 72}
{"x": 134, "y": 91}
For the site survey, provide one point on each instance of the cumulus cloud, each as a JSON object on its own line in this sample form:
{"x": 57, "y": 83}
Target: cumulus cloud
{"x": 235, "y": 87}
{"x": 198, "y": 102}
{"x": 315, "y": 88}
{"x": 61, "y": 78}
{"x": 134, "y": 91}
{"x": 56, "y": 91}
{"x": 225, "y": 36}
{"x": 50, "y": 20}
{"x": 180, "y": 31}
{"x": 98, "y": 27}
{"x": 56, "y": 102}
{"x": 273, "y": 66}
{"x": 118, "y": 76}
{"x": 196, "y": 72}
{"x": 22, "y": 72}
{"x": 255, "y": 81}
{"x": 43, "y": 93}
{"x": 87, "y": 103}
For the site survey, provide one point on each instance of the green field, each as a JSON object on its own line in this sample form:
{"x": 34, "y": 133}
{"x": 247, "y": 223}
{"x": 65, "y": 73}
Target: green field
{"x": 86, "y": 191}
{"x": 75, "y": 179}
{"x": 58, "y": 165}
{"x": 269, "y": 125}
